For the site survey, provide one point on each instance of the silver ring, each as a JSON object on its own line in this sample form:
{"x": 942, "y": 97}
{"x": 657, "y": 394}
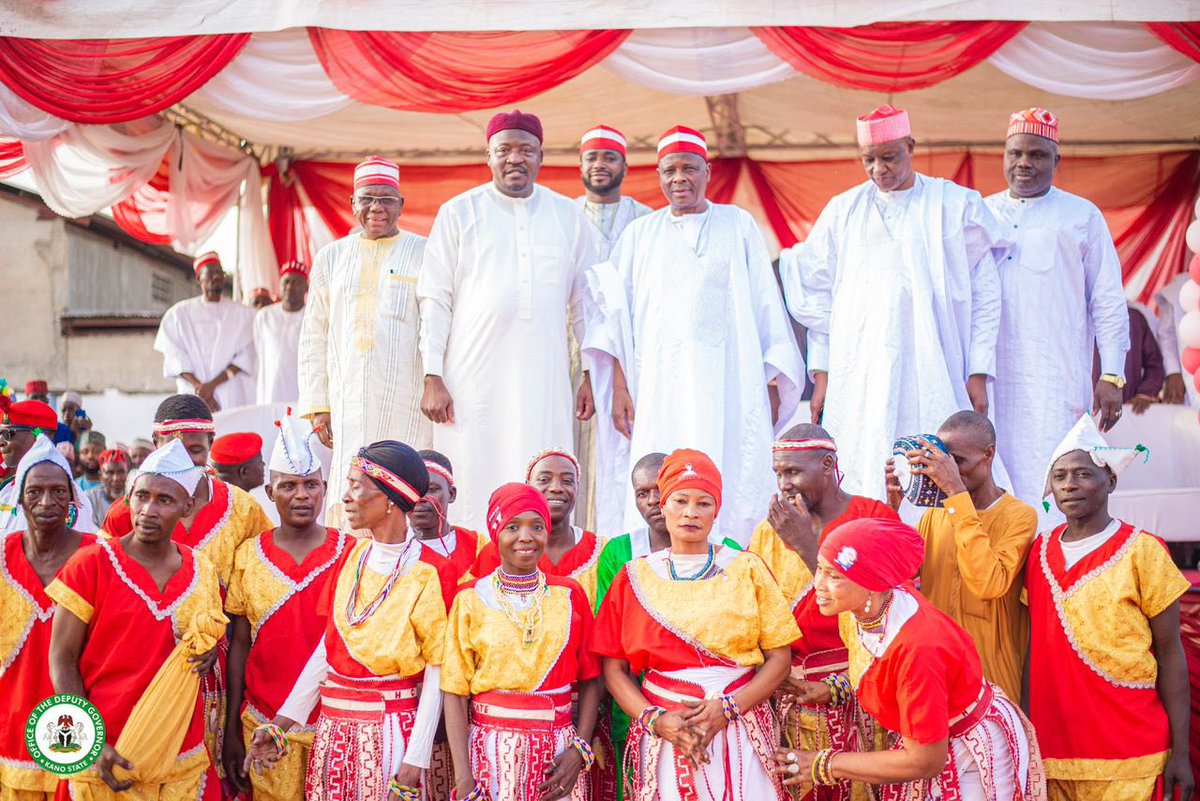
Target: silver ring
{"x": 792, "y": 757}
{"x": 793, "y": 769}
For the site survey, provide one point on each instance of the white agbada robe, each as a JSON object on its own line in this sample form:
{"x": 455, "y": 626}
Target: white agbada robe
{"x": 203, "y": 339}
{"x": 358, "y": 349}
{"x": 695, "y": 318}
{"x": 499, "y": 276}
{"x": 1170, "y": 312}
{"x": 277, "y": 354}
{"x": 900, "y": 296}
{"x": 1061, "y": 293}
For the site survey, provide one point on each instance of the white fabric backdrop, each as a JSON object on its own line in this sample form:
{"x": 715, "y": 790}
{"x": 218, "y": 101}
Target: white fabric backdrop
{"x": 1099, "y": 60}
{"x": 698, "y": 61}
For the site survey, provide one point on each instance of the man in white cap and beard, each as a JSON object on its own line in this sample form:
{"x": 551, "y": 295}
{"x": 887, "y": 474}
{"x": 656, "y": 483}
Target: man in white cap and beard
{"x": 360, "y": 373}
{"x": 277, "y": 623}
{"x": 896, "y": 284}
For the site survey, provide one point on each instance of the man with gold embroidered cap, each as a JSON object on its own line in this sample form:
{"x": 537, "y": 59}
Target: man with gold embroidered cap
{"x": 360, "y": 375}
{"x": 1108, "y": 682}
{"x": 167, "y": 596}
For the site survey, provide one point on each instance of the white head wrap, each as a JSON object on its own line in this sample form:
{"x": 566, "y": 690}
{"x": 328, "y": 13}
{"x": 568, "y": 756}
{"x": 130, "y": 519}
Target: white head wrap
{"x": 170, "y": 461}
{"x": 44, "y": 450}
{"x": 293, "y": 453}
{"x": 1085, "y": 436}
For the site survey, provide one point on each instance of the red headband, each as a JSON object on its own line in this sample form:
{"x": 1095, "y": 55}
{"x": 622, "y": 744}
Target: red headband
{"x": 381, "y": 473}
{"x": 804, "y": 445}
{"x": 437, "y": 469}
{"x": 511, "y": 500}
{"x": 570, "y": 457}
{"x": 168, "y": 427}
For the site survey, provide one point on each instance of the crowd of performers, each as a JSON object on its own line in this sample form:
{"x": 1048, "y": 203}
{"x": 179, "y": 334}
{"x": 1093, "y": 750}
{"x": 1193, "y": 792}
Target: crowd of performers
{"x": 411, "y": 659}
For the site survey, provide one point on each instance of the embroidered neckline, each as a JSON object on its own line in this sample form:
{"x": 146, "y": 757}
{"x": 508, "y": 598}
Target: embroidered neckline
{"x": 293, "y": 587}
{"x": 221, "y": 520}
{"x": 156, "y": 611}
{"x": 639, "y": 592}
{"x": 1060, "y": 596}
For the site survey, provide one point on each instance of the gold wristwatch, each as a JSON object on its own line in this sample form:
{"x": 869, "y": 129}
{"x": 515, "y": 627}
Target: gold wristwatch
{"x": 1115, "y": 380}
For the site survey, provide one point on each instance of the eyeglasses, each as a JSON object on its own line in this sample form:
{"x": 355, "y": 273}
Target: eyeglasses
{"x": 367, "y": 201}
{"x": 9, "y": 433}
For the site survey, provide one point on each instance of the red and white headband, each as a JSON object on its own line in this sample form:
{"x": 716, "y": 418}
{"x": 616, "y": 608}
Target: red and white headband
{"x": 804, "y": 445}
{"x": 381, "y": 473}
{"x": 438, "y": 470}
{"x": 169, "y": 427}
{"x": 570, "y": 457}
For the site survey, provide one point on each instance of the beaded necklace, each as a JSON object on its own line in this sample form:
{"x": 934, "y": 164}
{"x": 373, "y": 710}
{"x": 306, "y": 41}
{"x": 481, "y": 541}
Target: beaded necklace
{"x": 876, "y": 623}
{"x": 528, "y": 622}
{"x": 707, "y": 571}
{"x": 358, "y": 618}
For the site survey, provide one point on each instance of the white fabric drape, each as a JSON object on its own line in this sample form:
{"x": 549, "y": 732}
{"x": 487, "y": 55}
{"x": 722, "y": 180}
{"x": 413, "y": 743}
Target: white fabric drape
{"x": 698, "y": 61}
{"x": 1097, "y": 60}
{"x": 20, "y": 120}
{"x": 278, "y": 76}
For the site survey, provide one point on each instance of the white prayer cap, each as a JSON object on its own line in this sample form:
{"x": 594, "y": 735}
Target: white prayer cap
{"x": 1085, "y": 436}
{"x": 44, "y": 450}
{"x": 171, "y": 461}
{"x": 293, "y": 453}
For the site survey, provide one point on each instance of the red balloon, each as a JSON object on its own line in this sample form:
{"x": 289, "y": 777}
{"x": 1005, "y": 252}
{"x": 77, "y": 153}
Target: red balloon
{"x": 1196, "y": 380}
{"x": 1191, "y": 360}
{"x": 1194, "y": 268}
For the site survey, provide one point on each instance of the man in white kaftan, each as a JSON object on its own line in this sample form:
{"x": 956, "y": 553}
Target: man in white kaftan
{"x": 207, "y": 342}
{"x": 695, "y": 332}
{"x": 897, "y": 286}
{"x": 1179, "y": 387}
{"x": 360, "y": 373}
{"x": 504, "y": 263}
{"x": 277, "y": 338}
{"x": 1062, "y": 295}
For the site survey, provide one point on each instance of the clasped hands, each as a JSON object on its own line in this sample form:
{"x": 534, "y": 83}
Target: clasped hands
{"x": 691, "y": 730}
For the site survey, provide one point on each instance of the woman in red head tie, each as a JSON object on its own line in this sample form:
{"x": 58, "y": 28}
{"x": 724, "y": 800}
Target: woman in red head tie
{"x": 951, "y": 733}
{"x": 709, "y": 629}
{"x": 516, "y": 646}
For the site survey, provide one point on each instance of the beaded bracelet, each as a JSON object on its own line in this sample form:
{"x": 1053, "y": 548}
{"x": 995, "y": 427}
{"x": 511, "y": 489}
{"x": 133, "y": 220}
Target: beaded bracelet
{"x": 729, "y": 706}
{"x": 585, "y": 750}
{"x": 478, "y": 794}
{"x": 840, "y": 690}
{"x": 822, "y": 768}
{"x": 277, "y": 736}
{"x": 402, "y": 791}
{"x": 648, "y": 717}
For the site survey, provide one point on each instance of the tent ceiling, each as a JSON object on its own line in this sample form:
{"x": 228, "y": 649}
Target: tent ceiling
{"x": 66, "y": 19}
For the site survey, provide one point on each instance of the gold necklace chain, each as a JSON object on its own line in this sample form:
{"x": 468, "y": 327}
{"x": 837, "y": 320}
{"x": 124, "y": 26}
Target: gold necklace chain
{"x": 527, "y": 622}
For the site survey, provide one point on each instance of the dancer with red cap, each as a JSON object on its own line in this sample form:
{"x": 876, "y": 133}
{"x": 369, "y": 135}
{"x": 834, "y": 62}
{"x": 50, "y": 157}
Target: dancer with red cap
{"x": 503, "y": 277}
{"x": 952, "y": 734}
{"x": 707, "y": 263}
{"x": 1063, "y": 257}
{"x": 207, "y": 342}
{"x": 897, "y": 286}
{"x": 708, "y": 630}
{"x": 517, "y": 645}
{"x": 359, "y": 373}
{"x": 277, "y": 338}
{"x": 374, "y": 673}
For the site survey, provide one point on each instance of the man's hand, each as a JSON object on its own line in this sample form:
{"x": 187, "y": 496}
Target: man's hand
{"x": 203, "y": 663}
{"x": 585, "y": 405}
{"x": 622, "y": 411}
{"x": 561, "y": 775}
{"x": 817, "y": 404}
{"x": 1174, "y": 390}
{"x": 322, "y": 424}
{"x": 895, "y": 493}
{"x": 1106, "y": 399}
{"x": 207, "y": 393}
{"x": 791, "y": 521}
{"x": 939, "y": 466}
{"x": 104, "y": 766}
{"x": 1141, "y": 403}
{"x": 233, "y": 757}
{"x": 1177, "y": 775}
{"x": 977, "y": 392}
{"x": 436, "y": 403}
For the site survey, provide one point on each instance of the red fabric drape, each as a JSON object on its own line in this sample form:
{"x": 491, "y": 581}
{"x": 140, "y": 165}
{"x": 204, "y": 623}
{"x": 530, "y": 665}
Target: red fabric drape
{"x": 454, "y": 72}
{"x": 888, "y": 56}
{"x": 290, "y": 235}
{"x": 12, "y": 158}
{"x": 143, "y": 215}
{"x": 99, "y": 81}
{"x": 1183, "y": 36}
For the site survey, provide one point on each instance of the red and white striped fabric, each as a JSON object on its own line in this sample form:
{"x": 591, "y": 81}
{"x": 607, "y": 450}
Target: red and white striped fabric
{"x": 602, "y": 138}
{"x": 884, "y": 124}
{"x": 682, "y": 140}
{"x": 376, "y": 172}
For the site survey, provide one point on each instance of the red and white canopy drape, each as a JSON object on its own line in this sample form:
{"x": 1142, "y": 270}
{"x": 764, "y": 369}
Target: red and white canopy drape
{"x": 80, "y": 114}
